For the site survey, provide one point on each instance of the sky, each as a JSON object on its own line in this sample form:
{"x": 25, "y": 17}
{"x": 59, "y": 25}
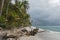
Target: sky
{"x": 45, "y": 12}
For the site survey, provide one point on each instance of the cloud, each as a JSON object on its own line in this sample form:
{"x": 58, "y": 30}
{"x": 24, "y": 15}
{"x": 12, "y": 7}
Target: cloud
{"x": 54, "y": 2}
{"x": 46, "y": 10}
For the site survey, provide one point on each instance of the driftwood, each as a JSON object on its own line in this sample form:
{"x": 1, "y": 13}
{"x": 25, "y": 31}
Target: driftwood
{"x": 5, "y": 37}
{"x": 23, "y": 31}
{"x": 33, "y": 32}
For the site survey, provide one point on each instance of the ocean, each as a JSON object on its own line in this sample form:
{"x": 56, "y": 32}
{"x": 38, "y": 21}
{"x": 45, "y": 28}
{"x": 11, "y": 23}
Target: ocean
{"x": 51, "y": 28}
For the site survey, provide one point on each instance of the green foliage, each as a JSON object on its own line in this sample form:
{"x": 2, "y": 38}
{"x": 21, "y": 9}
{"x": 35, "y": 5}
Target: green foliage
{"x": 15, "y": 15}
{"x": 2, "y": 22}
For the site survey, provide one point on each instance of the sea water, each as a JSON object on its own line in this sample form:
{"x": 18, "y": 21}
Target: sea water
{"x": 51, "y": 28}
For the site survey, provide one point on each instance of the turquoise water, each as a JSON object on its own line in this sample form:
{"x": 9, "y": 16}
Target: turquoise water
{"x": 52, "y": 28}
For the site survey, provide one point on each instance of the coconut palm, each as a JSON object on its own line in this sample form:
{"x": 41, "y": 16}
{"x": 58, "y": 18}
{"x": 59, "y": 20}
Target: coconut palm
{"x": 1, "y": 6}
{"x": 15, "y": 15}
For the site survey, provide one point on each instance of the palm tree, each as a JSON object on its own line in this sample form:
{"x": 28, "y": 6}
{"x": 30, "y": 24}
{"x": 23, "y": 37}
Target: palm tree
{"x": 16, "y": 14}
{"x": 1, "y": 8}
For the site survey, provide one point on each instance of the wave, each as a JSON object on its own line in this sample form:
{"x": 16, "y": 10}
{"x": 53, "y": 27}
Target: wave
{"x": 50, "y": 31}
{"x": 54, "y": 32}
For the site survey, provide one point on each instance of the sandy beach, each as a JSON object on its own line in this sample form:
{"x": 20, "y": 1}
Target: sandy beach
{"x": 49, "y": 36}
{"x": 41, "y": 35}
{"x": 46, "y": 35}
{"x": 30, "y": 38}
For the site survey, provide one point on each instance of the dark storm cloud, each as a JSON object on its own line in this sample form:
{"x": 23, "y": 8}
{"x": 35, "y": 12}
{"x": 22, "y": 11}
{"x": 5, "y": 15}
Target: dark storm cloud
{"x": 45, "y": 12}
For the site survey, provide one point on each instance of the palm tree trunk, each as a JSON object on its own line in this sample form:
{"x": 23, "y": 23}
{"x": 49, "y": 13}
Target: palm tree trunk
{"x": 7, "y": 11}
{"x": 7, "y": 7}
{"x": 2, "y": 4}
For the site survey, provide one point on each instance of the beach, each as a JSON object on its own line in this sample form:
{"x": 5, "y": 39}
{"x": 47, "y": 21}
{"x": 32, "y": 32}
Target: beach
{"x": 41, "y": 35}
{"x": 30, "y": 38}
{"x": 44, "y": 35}
{"x": 49, "y": 36}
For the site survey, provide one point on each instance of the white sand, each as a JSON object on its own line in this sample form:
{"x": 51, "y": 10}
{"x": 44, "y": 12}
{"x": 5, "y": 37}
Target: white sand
{"x": 49, "y": 36}
{"x": 42, "y": 36}
{"x": 30, "y": 38}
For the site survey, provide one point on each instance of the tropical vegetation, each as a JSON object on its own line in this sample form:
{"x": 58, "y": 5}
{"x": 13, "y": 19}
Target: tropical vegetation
{"x": 14, "y": 14}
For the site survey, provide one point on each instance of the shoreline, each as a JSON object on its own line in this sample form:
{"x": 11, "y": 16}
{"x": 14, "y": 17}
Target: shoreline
{"x": 45, "y": 35}
{"x": 41, "y": 35}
